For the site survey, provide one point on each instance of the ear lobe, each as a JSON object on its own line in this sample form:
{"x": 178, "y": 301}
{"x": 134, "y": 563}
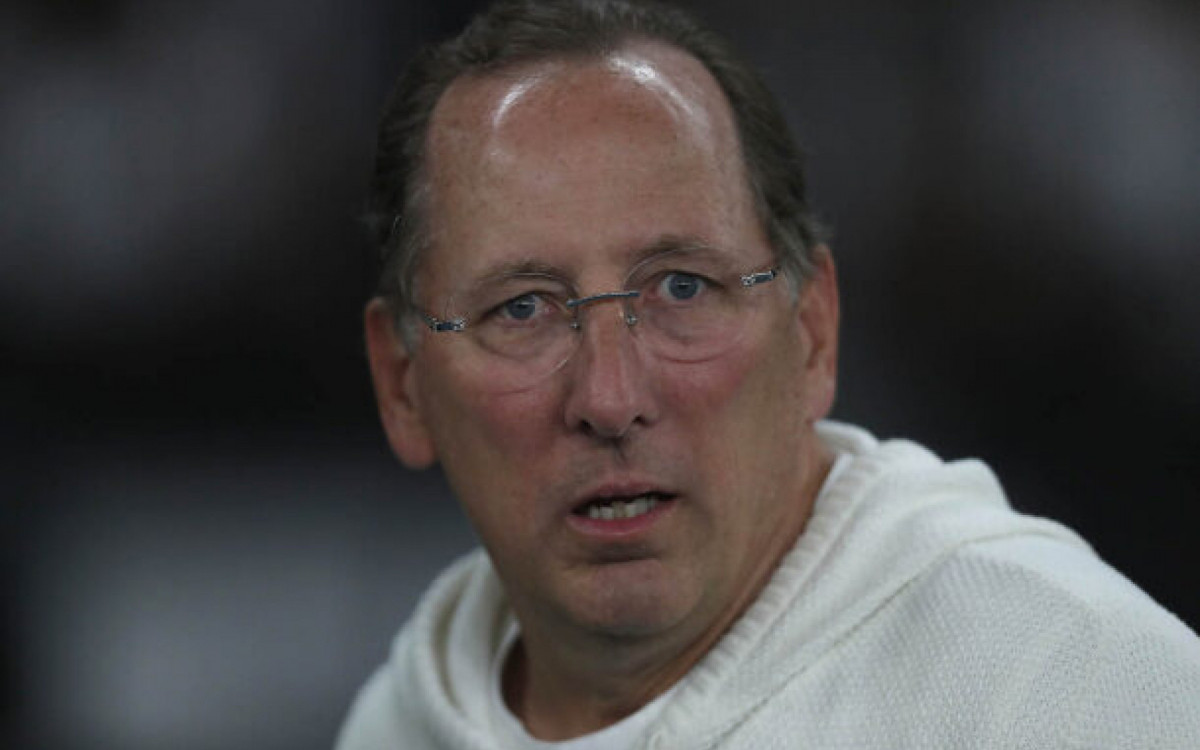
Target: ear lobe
{"x": 819, "y": 315}
{"x": 395, "y": 383}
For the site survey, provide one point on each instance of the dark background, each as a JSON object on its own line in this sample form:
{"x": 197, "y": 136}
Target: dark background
{"x": 205, "y": 542}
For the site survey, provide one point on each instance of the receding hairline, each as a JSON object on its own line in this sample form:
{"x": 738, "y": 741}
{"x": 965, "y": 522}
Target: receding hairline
{"x": 683, "y": 70}
{"x": 687, "y": 88}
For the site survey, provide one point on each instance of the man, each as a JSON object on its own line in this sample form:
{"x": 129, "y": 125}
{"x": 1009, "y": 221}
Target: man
{"x": 607, "y": 313}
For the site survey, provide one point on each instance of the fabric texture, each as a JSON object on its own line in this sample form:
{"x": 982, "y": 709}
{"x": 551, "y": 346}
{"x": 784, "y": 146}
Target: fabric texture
{"x": 917, "y": 609}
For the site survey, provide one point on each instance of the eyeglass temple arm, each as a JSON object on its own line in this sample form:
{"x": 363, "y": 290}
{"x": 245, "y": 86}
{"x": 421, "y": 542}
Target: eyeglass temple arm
{"x": 761, "y": 277}
{"x": 455, "y": 325}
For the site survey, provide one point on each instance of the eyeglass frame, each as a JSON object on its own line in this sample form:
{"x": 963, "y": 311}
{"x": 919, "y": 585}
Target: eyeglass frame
{"x": 460, "y": 324}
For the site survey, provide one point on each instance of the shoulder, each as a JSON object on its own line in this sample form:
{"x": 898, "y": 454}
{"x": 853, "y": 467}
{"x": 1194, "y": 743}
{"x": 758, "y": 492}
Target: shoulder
{"x": 1053, "y": 584}
{"x": 373, "y": 722}
{"x": 1069, "y": 642}
{"x": 432, "y": 690}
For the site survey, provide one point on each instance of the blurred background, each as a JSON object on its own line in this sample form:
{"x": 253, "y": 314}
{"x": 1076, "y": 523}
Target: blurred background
{"x": 204, "y": 541}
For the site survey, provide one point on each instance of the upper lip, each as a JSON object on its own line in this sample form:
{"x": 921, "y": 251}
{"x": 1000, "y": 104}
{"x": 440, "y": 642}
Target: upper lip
{"x": 619, "y": 488}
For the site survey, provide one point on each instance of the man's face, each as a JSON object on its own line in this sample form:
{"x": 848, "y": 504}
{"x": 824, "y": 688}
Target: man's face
{"x": 584, "y": 167}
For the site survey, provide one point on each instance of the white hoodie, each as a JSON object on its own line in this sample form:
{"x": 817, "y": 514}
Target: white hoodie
{"x": 917, "y": 610}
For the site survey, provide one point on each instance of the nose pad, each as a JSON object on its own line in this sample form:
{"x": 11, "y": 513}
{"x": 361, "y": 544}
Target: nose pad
{"x": 627, "y": 314}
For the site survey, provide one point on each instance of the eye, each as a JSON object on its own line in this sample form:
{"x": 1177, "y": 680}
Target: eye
{"x": 523, "y": 307}
{"x": 525, "y": 310}
{"x": 680, "y": 285}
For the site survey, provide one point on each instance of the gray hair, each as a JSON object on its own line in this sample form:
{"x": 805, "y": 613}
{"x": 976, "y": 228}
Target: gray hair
{"x": 511, "y": 32}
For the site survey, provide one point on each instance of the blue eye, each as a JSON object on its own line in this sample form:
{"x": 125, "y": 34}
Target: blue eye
{"x": 682, "y": 286}
{"x": 521, "y": 308}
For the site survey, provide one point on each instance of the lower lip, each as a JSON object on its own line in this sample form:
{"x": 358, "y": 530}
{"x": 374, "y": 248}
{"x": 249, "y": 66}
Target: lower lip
{"x": 619, "y": 528}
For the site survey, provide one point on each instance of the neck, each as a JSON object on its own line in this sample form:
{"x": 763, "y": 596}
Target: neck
{"x": 564, "y": 682}
{"x": 570, "y": 690}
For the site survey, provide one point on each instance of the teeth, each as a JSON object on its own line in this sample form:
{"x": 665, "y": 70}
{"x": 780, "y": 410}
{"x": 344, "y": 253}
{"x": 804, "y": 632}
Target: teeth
{"x": 619, "y": 509}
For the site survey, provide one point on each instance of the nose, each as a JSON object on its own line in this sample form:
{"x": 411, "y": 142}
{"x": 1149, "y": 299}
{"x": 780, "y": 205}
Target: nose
{"x": 609, "y": 389}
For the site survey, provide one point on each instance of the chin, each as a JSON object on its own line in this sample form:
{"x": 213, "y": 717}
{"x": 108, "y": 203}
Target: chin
{"x": 630, "y": 602}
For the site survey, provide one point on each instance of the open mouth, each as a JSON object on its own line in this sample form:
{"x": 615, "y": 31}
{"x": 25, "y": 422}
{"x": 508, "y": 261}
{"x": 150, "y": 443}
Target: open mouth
{"x": 621, "y": 508}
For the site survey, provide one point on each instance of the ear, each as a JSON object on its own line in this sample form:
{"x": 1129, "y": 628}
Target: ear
{"x": 819, "y": 313}
{"x": 395, "y": 380}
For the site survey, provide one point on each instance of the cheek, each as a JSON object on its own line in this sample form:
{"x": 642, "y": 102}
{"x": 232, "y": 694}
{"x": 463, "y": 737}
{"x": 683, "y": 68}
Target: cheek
{"x": 756, "y": 382}
{"x": 708, "y": 404}
{"x": 492, "y": 450}
{"x": 485, "y": 437}
{"x": 743, "y": 414}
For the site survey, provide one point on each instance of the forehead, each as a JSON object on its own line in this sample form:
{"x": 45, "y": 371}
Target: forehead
{"x": 648, "y": 82}
{"x": 582, "y": 157}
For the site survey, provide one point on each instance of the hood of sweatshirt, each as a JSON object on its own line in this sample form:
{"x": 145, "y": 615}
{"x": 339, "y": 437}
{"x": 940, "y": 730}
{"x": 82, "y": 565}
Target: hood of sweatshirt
{"x": 895, "y": 511}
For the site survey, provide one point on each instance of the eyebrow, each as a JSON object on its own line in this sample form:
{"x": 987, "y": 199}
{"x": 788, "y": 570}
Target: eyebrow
{"x": 510, "y": 269}
{"x": 670, "y": 243}
{"x": 530, "y": 266}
